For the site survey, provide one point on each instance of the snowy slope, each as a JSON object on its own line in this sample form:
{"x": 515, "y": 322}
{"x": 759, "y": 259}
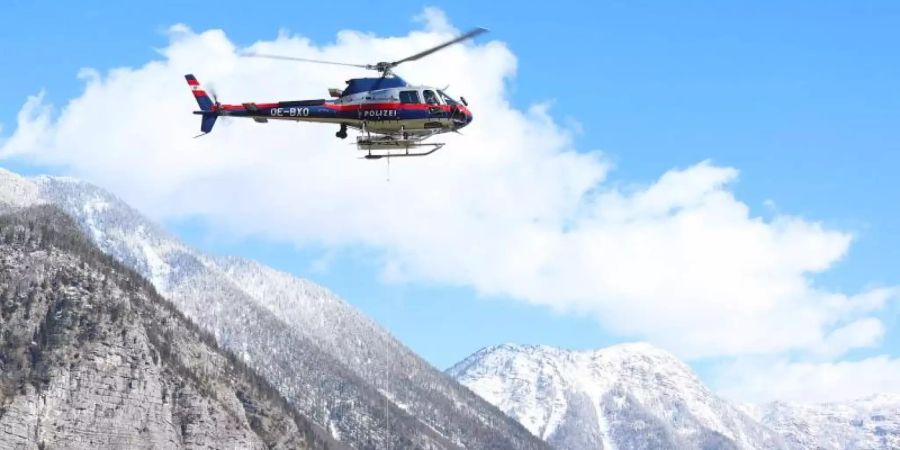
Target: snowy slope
{"x": 870, "y": 423}
{"x": 326, "y": 357}
{"x": 623, "y": 397}
{"x": 16, "y": 191}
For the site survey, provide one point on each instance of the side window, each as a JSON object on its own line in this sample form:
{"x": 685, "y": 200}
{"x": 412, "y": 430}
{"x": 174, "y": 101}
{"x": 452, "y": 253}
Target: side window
{"x": 383, "y": 96}
{"x": 409, "y": 97}
{"x": 430, "y": 98}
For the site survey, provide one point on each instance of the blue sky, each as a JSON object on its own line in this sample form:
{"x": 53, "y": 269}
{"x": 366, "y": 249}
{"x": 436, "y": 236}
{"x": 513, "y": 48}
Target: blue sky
{"x": 802, "y": 99}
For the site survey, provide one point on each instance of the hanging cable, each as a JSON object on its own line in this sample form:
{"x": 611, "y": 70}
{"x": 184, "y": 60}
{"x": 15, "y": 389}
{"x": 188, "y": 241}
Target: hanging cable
{"x": 387, "y": 359}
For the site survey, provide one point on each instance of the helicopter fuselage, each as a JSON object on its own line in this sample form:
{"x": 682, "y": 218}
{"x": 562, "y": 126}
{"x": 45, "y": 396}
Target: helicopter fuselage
{"x": 398, "y": 110}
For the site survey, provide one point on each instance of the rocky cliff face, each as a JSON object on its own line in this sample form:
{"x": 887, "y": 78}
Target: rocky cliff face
{"x": 92, "y": 358}
{"x": 330, "y": 361}
{"x": 629, "y": 396}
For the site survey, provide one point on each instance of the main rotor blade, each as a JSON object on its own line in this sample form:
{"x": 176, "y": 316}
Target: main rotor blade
{"x": 468, "y": 35}
{"x": 294, "y": 58}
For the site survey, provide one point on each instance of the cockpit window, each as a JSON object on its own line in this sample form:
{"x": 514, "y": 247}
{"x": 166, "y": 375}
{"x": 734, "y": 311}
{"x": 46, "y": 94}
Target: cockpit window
{"x": 409, "y": 97}
{"x": 430, "y": 98}
{"x": 447, "y": 99}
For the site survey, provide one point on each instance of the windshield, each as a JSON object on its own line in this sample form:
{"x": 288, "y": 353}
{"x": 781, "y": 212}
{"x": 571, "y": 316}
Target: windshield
{"x": 447, "y": 99}
{"x": 429, "y": 97}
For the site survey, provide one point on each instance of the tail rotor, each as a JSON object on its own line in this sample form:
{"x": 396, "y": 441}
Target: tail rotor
{"x": 214, "y": 94}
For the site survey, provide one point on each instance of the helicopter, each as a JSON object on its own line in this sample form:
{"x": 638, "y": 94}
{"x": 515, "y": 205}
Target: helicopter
{"x": 394, "y": 117}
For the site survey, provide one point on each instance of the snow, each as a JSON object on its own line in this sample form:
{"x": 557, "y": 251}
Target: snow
{"x": 157, "y": 268}
{"x": 533, "y": 383}
{"x": 18, "y": 191}
{"x": 869, "y": 423}
{"x": 90, "y": 209}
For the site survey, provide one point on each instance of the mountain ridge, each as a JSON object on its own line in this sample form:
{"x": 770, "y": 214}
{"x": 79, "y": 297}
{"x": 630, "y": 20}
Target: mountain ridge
{"x": 513, "y": 376}
{"x": 313, "y": 340}
{"x": 548, "y": 389}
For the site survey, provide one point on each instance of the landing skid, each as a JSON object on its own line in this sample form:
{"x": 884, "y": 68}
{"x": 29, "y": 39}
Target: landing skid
{"x": 377, "y": 147}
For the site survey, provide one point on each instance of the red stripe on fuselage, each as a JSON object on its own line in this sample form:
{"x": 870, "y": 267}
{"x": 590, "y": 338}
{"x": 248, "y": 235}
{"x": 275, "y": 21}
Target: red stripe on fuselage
{"x": 241, "y": 107}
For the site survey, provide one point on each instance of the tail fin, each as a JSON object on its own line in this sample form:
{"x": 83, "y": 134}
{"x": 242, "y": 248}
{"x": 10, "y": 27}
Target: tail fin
{"x": 206, "y": 104}
{"x": 206, "y": 124}
{"x": 207, "y": 107}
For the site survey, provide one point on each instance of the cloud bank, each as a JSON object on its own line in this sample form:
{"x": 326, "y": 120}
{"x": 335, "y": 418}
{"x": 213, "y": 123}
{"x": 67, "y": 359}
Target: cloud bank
{"x": 808, "y": 382}
{"x": 511, "y": 209}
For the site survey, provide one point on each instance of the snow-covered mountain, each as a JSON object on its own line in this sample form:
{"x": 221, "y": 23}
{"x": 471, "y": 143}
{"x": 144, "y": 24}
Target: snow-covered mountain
{"x": 870, "y": 423}
{"x": 629, "y": 396}
{"x": 341, "y": 370}
{"x": 331, "y": 362}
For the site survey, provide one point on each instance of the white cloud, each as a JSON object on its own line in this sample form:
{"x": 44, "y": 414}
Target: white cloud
{"x": 861, "y": 333}
{"x": 809, "y": 382}
{"x": 511, "y": 208}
